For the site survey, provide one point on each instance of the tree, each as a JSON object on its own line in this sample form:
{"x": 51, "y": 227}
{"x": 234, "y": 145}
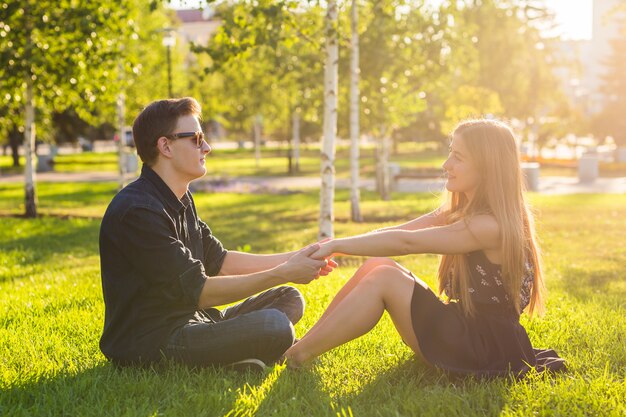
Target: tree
{"x": 355, "y": 196}
{"x": 400, "y": 59}
{"x": 513, "y": 60}
{"x": 327, "y": 169}
{"x": 611, "y": 121}
{"x": 265, "y": 58}
{"x": 56, "y": 55}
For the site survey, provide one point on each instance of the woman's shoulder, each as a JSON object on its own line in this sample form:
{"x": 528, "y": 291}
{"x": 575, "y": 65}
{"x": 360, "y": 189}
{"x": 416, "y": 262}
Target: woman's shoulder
{"x": 485, "y": 229}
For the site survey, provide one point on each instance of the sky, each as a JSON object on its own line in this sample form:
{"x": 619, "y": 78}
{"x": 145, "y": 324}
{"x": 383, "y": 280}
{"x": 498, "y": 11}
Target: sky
{"x": 573, "y": 17}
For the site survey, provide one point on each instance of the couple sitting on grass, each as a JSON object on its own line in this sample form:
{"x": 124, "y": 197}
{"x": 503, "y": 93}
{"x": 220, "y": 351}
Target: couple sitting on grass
{"x": 163, "y": 271}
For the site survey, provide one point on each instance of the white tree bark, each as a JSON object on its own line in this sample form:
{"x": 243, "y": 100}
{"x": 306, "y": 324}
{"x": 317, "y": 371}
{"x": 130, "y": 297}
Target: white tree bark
{"x": 257, "y": 140}
{"x": 327, "y": 170}
{"x": 30, "y": 196}
{"x": 355, "y": 195}
{"x": 296, "y": 140}
{"x": 384, "y": 163}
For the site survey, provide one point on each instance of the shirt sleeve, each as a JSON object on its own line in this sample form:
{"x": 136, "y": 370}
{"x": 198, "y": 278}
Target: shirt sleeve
{"x": 148, "y": 239}
{"x": 214, "y": 252}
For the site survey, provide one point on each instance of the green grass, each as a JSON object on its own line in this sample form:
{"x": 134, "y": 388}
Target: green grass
{"x": 51, "y": 315}
{"x": 274, "y": 162}
{"x": 241, "y": 162}
{"x": 79, "y": 162}
{"x": 413, "y": 157}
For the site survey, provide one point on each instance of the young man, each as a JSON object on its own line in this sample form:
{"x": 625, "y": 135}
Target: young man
{"x": 163, "y": 271}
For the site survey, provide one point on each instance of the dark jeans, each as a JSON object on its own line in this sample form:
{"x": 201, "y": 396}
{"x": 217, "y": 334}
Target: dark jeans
{"x": 259, "y": 327}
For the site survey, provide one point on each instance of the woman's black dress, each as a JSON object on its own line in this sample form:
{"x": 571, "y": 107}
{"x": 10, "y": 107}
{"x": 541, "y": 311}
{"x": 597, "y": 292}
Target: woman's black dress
{"x": 492, "y": 342}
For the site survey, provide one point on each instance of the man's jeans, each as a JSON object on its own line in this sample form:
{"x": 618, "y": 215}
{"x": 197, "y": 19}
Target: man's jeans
{"x": 260, "y": 327}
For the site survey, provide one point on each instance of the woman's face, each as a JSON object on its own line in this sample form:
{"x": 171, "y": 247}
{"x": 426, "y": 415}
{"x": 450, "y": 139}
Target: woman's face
{"x": 463, "y": 175}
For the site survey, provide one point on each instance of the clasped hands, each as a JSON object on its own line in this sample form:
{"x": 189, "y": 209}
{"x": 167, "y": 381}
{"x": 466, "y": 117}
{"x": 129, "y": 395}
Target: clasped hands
{"x": 309, "y": 263}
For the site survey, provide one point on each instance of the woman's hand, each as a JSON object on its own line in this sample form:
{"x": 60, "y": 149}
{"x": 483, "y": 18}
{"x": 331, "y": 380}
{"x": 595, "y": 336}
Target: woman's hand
{"x": 301, "y": 268}
{"x": 326, "y": 250}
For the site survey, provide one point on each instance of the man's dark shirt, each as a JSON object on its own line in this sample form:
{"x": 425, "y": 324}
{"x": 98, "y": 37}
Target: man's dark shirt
{"x": 155, "y": 255}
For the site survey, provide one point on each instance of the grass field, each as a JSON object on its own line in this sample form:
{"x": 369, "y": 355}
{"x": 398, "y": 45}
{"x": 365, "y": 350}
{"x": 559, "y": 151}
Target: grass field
{"x": 413, "y": 158}
{"x": 51, "y": 315}
{"x": 273, "y": 162}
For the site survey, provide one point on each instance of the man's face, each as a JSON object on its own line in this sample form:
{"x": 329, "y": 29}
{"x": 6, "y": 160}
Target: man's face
{"x": 187, "y": 158}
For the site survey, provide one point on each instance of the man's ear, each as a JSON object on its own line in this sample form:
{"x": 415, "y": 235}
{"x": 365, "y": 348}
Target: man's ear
{"x": 164, "y": 147}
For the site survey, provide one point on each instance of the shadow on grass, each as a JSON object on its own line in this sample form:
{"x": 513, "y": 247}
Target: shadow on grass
{"x": 29, "y": 245}
{"x": 264, "y": 220}
{"x": 296, "y": 393}
{"x": 427, "y": 391}
{"x": 585, "y": 284}
{"x": 166, "y": 389}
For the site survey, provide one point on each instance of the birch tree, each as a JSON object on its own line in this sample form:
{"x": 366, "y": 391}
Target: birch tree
{"x": 327, "y": 171}
{"x": 355, "y": 194}
{"x": 54, "y": 55}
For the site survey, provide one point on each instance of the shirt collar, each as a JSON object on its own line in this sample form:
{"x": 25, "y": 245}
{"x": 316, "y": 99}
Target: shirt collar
{"x": 168, "y": 195}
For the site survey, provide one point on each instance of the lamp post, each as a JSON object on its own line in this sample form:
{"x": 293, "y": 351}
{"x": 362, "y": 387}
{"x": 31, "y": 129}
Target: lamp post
{"x": 169, "y": 40}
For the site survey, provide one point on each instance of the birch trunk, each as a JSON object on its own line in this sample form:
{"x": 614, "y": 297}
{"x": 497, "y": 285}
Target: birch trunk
{"x": 30, "y": 196}
{"x": 355, "y": 195}
{"x": 386, "y": 181}
{"x": 257, "y": 140}
{"x": 296, "y": 140}
{"x": 383, "y": 181}
{"x": 327, "y": 169}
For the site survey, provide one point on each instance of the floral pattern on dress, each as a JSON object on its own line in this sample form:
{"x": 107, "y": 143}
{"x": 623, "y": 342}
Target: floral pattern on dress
{"x": 486, "y": 283}
{"x": 527, "y": 284}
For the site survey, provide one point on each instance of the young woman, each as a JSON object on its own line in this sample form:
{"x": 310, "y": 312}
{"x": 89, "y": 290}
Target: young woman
{"x": 489, "y": 271}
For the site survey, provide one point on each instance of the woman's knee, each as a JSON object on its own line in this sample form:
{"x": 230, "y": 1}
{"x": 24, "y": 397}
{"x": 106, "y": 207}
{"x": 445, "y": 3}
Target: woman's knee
{"x": 376, "y": 262}
{"x": 386, "y": 276}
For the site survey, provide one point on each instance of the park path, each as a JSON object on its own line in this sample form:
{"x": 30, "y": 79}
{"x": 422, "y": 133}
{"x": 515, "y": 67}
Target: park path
{"x": 547, "y": 185}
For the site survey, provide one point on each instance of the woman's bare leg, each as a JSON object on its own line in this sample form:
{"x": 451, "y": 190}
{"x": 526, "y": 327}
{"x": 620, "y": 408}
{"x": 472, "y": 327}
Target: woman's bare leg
{"x": 383, "y": 288}
{"x": 366, "y": 268}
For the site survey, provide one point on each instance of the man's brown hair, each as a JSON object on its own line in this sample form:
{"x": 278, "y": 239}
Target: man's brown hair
{"x": 158, "y": 119}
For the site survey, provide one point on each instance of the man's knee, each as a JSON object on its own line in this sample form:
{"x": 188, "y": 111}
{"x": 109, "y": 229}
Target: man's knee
{"x": 278, "y": 331}
{"x": 292, "y": 303}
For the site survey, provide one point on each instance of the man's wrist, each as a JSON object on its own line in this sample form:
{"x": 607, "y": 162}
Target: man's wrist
{"x": 276, "y": 276}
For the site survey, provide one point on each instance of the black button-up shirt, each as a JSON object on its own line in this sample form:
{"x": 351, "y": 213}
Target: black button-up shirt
{"x": 155, "y": 255}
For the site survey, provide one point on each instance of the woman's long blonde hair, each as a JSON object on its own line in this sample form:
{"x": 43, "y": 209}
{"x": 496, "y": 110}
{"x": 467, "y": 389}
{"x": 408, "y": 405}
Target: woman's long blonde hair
{"x": 500, "y": 193}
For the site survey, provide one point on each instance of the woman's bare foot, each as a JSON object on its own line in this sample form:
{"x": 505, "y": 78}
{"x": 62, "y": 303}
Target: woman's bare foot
{"x": 296, "y": 358}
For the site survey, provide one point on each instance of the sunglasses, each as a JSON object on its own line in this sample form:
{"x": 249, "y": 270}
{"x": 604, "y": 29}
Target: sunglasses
{"x": 197, "y": 137}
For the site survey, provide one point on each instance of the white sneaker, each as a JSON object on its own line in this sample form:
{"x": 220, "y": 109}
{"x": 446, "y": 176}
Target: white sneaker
{"x": 252, "y": 365}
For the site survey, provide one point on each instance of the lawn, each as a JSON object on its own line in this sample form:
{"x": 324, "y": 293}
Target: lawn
{"x": 51, "y": 315}
{"x": 274, "y": 161}
{"x": 414, "y": 158}
{"x": 75, "y": 162}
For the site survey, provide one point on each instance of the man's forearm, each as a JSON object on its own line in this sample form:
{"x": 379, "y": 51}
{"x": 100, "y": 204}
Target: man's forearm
{"x": 240, "y": 263}
{"x": 221, "y": 290}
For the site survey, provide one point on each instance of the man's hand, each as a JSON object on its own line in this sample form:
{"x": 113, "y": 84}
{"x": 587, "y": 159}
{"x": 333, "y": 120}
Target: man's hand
{"x": 302, "y": 269}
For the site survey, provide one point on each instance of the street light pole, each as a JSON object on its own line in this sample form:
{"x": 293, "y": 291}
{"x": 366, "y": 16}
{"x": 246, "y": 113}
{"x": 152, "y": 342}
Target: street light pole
{"x": 169, "y": 71}
{"x": 169, "y": 40}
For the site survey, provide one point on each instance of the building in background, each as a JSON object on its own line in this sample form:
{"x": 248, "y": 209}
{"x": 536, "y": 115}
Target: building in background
{"x": 586, "y": 59}
{"x": 197, "y": 25}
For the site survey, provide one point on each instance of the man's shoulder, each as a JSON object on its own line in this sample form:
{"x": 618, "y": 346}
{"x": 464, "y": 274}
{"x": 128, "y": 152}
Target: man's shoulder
{"x": 138, "y": 194}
